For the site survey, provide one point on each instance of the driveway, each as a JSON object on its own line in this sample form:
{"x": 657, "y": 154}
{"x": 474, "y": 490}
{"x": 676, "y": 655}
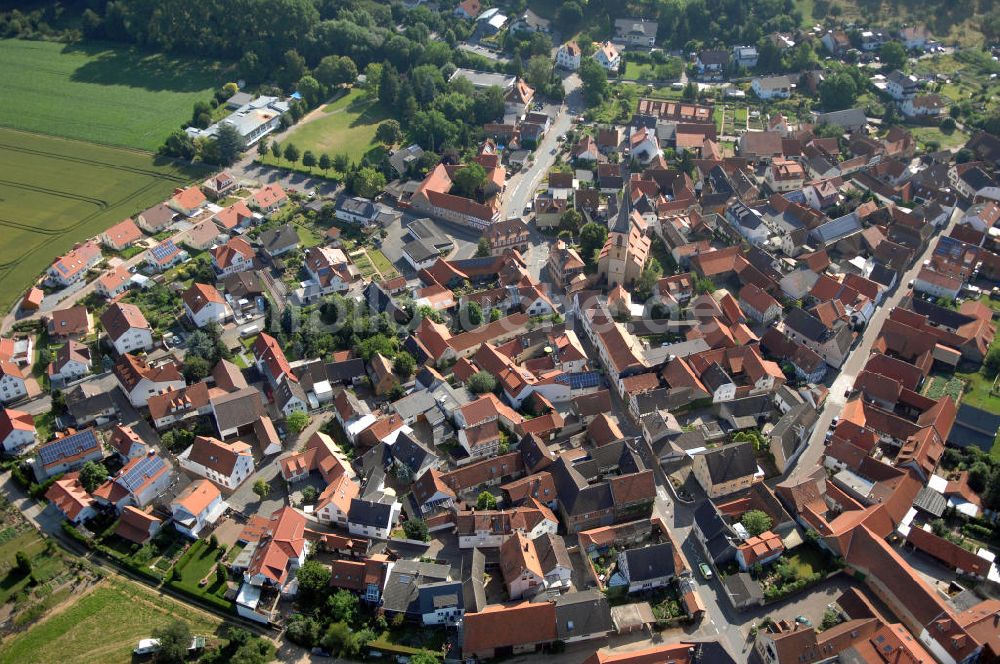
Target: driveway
{"x": 247, "y": 502}
{"x": 809, "y": 460}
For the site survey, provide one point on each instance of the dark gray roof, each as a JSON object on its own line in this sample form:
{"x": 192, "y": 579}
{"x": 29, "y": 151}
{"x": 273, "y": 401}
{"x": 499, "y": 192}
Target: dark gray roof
{"x": 239, "y": 408}
{"x": 242, "y": 284}
{"x": 439, "y": 595}
{"x": 650, "y": 562}
{"x": 930, "y": 501}
{"x": 474, "y": 582}
{"x": 730, "y": 462}
{"x": 411, "y": 453}
{"x": 807, "y": 325}
{"x": 850, "y": 118}
{"x": 744, "y": 215}
{"x": 581, "y": 614}
{"x": 419, "y": 250}
{"x": 940, "y": 315}
{"x": 715, "y": 377}
{"x": 535, "y": 453}
{"x": 288, "y": 390}
{"x": 709, "y": 520}
{"x": 369, "y": 513}
{"x": 277, "y": 239}
{"x": 742, "y": 588}
{"x": 791, "y": 425}
{"x": 361, "y": 207}
{"x": 576, "y": 496}
{"x": 552, "y": 553}
{"x": 402, "y": 589}
{"x": 882, "y": 275}
{"x": 974, "y": 426}
{"x": 84, "y": 405}
{"x": 752, "y": 406}
{"x": 341, "y": 372}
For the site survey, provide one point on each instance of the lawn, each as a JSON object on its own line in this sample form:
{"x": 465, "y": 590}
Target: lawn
{"x": 346, "y": 126}
{"x": 103, "y": 625}
{"x": 635, "y": 71}
{"x": 101, "y": 93}
{"x": 382, "y": 264}
{"x": 307, "y": 236}
{"x": 44, "y": 565}
{"x": 979, "y": 394}
{"x": 924, "y": 135}
{"x": 197, "y": 564}
{"x": 55, "y": 192}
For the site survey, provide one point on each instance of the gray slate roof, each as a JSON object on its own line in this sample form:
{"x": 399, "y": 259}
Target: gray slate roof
{"x": 730, "y": 462}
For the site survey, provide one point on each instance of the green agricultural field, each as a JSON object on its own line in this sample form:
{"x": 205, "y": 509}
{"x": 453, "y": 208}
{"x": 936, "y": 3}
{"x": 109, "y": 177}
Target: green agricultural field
{"x": 103, "y": 625}
{"x": 100, "y": 93}
{"x": 346, "y": 126}
{"x": 54, "y": 192}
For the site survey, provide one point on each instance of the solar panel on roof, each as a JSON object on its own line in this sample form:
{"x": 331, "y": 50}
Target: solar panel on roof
{"x": 163, "y": 250}
{"x": 577, "y": 381}
{"x": 68, "y": 446}
{"x": 137, "y": 474}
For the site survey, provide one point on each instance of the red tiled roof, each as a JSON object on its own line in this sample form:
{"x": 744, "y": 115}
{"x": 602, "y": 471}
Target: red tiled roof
{"x": 500, "y": 626}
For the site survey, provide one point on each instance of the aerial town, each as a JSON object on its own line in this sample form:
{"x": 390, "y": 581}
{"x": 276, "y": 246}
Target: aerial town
{"x": 468, "y": 332}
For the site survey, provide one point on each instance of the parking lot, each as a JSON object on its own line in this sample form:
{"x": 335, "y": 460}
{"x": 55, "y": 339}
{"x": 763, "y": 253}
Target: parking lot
{"x": 466, "y": 241}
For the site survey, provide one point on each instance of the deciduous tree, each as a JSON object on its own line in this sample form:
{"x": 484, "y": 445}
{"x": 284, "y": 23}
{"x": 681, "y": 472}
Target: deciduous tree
{"x": 93, "y": 475}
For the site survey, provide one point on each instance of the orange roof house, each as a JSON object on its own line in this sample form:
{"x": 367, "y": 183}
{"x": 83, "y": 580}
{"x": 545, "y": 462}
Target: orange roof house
{"x": 121, "y": 235}
{"x": 70, "y": 498}
{"x": 520, "y": 627}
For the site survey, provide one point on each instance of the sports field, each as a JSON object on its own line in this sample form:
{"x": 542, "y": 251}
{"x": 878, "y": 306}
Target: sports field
{"x": 103, "y": 625}
{"x": 95, "y": 92}
{"x": 54, "y": 192}
{"x": 346, "y": 126}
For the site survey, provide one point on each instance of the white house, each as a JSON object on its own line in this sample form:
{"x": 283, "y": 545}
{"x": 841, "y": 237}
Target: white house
{"x": 12, "y": 383}
{"x": 924, "y": 106}
{"x": 204, "y": 305}
{"x": 607, "y": 56}
{"x": 140, "y": 380}
{"x": 72, "y": 266}
{"x": 720, "y": 383}
{"x": 197, "y": 506}
{"x": 914, "y": 37}
{"x": 334, "y": 503}
{"x": 330, "y": 268}
{"x": 772, "y": 87}
{"x": 745, "y": 56}
{"x": 356, "y": 210}
{"x": 643, "y": 145}
{"x": 937, "y": 284}
{"x": 646, "y": 568}
{"x": 138, "y": 482}
{"x": 127, "y": 328}
{"x": 373, "y": 518}
{"x": 236, "y": 255}
{"x": 72, "y": 362}
{"x": 226, "y": 464}
{"x": 568, "y": 56}
{"x": 69, "y": 497}
{"x": 17, "y": 431}
{"x": 900, "y": 86}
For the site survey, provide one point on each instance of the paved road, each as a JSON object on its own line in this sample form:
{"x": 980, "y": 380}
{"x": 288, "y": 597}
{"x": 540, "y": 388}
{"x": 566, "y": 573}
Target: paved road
{"x": 521, "y": 186}
{"x": 67, "y": 297}
{"x": 810, "y": 457}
